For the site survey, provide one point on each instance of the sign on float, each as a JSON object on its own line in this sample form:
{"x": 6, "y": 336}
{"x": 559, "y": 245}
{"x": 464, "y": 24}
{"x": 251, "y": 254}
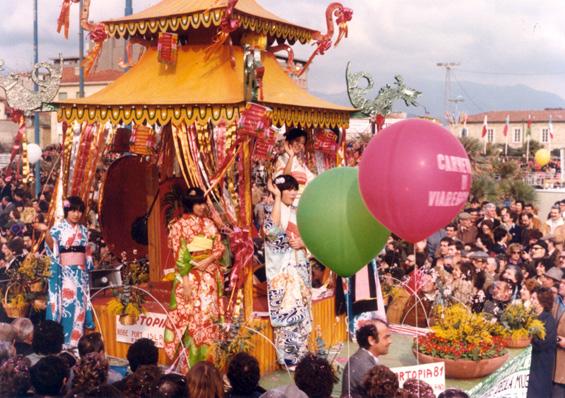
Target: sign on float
{"x": 431, "y": 373}
{"x": 150, "y": 325}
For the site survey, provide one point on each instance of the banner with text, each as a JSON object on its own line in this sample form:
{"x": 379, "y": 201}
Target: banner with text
{"x": 431, "y": 373}
{"x": 510, "y": 381}
{"x": 150, "y": 325}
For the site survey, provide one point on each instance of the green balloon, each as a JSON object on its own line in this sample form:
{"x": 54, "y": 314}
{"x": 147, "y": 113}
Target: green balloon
{"x": 335, "y": 224}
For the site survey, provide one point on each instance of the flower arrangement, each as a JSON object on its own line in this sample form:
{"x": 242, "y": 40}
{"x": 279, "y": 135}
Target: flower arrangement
{"x": 34, "y": 268}
{"x": 128, "y": 302}
{"x": 236, "y": 337}
{"x": 521, "y": 321}
{"x": 460, "y": 334}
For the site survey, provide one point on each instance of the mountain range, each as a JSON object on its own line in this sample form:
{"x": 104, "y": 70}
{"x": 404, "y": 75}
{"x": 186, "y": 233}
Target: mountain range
{"x": 476, "y": 98}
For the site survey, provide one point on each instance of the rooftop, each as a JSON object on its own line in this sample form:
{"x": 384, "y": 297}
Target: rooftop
{"x": 537, "y": 116}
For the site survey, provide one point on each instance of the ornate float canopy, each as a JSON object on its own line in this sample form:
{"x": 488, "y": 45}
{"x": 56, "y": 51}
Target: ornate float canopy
{"x": 200, "y": 89}
{"x": 183, "y": 15}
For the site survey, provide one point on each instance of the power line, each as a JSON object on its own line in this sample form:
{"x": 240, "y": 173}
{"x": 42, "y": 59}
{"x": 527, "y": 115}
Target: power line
{"x": 479, "y": 108}
{"x": 477, "y": 72}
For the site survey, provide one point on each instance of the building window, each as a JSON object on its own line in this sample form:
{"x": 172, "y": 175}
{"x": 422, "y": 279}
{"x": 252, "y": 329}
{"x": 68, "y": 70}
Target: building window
{"x": 517, "y": 137}
{"x": 490, "y": 135}
{"x": 464, "y": 132}
{"x": 545, "y": 136}
{"x": 62, "y": 95}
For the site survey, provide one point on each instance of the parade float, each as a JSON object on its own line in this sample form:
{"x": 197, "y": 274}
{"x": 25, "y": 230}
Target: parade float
{"x": 199, "y": 108}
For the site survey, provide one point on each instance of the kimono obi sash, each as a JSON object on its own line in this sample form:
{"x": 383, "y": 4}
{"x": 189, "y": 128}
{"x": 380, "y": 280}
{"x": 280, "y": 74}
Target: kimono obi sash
{"x": 74, "y": 255}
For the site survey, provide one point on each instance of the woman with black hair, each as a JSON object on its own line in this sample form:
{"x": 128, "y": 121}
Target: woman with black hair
{"x": 289, "y": 278}
{"x": 68, "y": 282}
{"x": 291, "y": 162}
{"x": 196, "y": 303}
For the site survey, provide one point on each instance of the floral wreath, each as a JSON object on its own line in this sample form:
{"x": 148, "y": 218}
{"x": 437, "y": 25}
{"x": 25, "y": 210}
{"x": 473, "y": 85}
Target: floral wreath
{"x": 66, "y": 204}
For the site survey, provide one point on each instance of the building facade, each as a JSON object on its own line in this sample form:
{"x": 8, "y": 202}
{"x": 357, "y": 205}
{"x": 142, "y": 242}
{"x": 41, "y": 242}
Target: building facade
{"x": 546, "y": 126}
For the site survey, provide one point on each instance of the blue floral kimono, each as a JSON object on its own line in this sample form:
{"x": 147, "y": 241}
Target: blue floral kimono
{"x": 289, "y": 283}
{"x": 68, "y": 283}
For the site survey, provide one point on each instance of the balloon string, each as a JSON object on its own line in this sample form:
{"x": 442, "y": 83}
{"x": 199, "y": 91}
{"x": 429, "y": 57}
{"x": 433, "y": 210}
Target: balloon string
{"x": 349, "y": 334}
{"x": 416, "y": 301}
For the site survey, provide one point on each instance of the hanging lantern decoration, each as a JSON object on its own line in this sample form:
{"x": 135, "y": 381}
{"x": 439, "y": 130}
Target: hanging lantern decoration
{"x": 254, "y": 119}
{"x": 167, "y": 46}
{"x": 325, "y": 141}
{"x": 142, "y": 140}
{"x": 264, "y": 144}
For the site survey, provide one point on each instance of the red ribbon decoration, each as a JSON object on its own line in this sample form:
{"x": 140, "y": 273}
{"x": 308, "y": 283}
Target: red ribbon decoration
{"x": 63, "y": 20}
{"x": 97, "y": 35}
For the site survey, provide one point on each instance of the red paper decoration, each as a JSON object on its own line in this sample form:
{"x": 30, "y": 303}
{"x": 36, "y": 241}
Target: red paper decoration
{"x": 167, "y": 46}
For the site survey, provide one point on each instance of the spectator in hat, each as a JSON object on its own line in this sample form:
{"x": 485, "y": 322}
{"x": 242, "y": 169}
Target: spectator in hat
{"x": 466, "y": 231}
{"x": 552, "y": 278}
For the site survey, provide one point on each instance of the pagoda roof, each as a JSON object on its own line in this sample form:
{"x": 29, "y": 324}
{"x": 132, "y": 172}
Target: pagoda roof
{"x": 183, "y": 15}
{"x": 198, "y": 88}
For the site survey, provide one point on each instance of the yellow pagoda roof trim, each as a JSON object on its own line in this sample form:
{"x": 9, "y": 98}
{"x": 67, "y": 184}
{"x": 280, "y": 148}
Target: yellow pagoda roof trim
{"x": 182, "y": 15}
{"x": 281, "y": 115}
{"x": 200, "y": 88}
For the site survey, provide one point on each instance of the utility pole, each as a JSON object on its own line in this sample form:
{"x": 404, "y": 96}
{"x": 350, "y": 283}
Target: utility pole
{"x": 37, "y": 137}
{"x": 447, "y": 84}
{"x": 80, "y": 56}
{"x": 456, "y": 101}
{"x": 128, "y": 11}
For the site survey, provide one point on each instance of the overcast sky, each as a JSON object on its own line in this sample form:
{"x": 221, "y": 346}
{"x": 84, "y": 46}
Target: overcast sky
{"x": 496, "y": 41}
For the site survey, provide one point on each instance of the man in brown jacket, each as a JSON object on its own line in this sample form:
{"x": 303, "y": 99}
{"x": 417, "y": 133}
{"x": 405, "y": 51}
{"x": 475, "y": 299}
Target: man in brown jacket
{"x": 559, "y": 314}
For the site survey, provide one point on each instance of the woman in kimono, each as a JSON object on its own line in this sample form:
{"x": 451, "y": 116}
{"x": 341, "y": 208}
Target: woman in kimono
{"x": 196, "y": 304}
{"x": 291, "y": 161}
{"x": 68, "y": 301}
{"x": 288, "y": 274}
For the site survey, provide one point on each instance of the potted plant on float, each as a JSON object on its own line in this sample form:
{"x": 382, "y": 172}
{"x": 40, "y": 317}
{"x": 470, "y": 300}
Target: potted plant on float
{"x": 520, "y": 325}
{"x": 127, "y": 302}
{"x": 464, "y": 341}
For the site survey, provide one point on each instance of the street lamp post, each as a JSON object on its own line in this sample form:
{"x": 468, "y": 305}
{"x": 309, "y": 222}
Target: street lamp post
{"x": 37, "y": 138}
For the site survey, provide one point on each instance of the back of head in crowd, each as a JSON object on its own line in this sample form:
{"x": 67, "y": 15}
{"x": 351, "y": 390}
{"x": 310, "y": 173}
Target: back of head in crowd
{"x": 315, "y": 376}
{"x": 89, "y": 372}
{"x": 172, "y": 385}
{"x": 105, "y": 390}
{"x": 23, "y": 327}
{"x": 73, "y": 203}
{"x": 49, "y": 375}
{"x": 14, "y": 377}
{"x": 418, "y": 388}
{"x": 142, "y": 352}
{"x": 380, "y": 382}
{"x": 204, "y": 381}
{"x": 453, "y": 393}
{"x": 243, "y": 374}
{"x": 90, "y": 343}
{"x": 48, "y": 338}
{"x": 193, "y": 197}
{"x": 7, "y": 332}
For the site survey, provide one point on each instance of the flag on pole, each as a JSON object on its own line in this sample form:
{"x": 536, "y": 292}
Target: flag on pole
{"x": 529, "y": 128}
{"x": 506, "y": 125}
{"x": 485, "y": 125}
{"x": 550, "y": 127}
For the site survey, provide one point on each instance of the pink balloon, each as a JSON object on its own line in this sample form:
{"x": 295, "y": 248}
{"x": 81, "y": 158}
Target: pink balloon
{"x": 414, "y": 177}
